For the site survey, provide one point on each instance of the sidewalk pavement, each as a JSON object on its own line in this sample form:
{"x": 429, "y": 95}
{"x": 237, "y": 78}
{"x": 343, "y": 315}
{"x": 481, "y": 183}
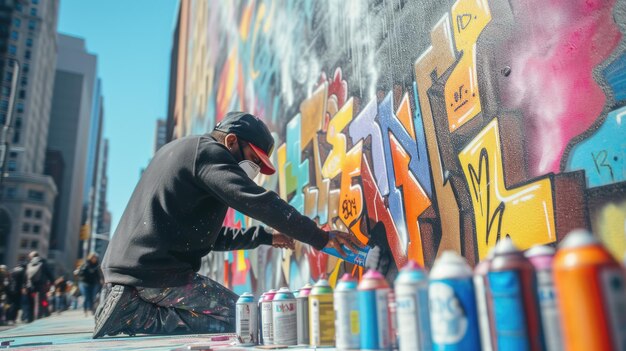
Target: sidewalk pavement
{"x": 71, "y": 330}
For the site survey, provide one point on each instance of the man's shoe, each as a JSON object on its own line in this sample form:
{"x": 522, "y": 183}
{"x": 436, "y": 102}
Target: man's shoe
{"x": 109, "y": 317}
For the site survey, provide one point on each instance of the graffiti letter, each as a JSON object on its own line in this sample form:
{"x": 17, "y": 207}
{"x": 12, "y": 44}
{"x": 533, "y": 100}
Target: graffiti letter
{"x": 525, "y": 213}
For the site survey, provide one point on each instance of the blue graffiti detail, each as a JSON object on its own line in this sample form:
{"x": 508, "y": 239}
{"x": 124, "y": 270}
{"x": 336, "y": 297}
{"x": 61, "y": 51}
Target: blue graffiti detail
{"x": 363, "y": 126}
{"x": 615, "y": 74}
{"x": 388, "y": 121}
{"x": 295, "y": 169}
{"x": 602, "y": 154}
{"x": 422, "y": 168}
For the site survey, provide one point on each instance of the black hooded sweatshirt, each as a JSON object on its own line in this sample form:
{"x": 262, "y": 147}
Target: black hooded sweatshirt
{"x": 175, "y": 215}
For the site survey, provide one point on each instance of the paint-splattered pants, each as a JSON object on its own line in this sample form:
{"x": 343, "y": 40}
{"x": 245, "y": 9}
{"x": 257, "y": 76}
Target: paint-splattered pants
{"x": 202, "y": 306}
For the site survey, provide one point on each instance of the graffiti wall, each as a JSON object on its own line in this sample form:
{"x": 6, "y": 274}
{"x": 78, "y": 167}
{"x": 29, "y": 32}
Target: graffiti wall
{"x": 420, "y": 126}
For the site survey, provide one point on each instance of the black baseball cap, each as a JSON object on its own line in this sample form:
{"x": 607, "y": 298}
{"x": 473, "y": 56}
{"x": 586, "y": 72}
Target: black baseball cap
{"x": 251, "y": 129}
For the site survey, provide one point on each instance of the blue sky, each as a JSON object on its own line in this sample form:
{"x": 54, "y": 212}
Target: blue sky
{"x": 132, "y": 39}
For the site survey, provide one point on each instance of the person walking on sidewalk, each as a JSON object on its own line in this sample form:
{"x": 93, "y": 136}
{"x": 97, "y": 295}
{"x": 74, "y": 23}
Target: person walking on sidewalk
{"x": 174, "y": 218}
{"x": 89, "y": 281}
{"x": 38, "y": 279}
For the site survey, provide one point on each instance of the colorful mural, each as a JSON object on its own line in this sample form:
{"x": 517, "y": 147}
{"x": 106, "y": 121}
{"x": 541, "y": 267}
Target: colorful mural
{"x": 420, "y": 126}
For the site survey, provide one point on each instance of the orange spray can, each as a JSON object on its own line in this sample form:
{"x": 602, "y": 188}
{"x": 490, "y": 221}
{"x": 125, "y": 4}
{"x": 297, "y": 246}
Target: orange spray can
{"x": 591, "y": 294}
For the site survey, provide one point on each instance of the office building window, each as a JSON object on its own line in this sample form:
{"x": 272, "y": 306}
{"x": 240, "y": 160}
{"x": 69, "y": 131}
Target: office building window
{"x": 18, "y": 7}
{"x": 13, "y": 154}
{"x": 33, "y": 11}
{"x": 35, "y": 2}
{"x": 9, "y": 76}
{"x": 36, "y": 195}
{"x": 18, "y": 123}
{"x": 34, "y": 244}
{"x": 25, "y": 68}
{"x": 17, "y": 22}
{"x": 14, "y": 35}
{"x": 26, "y": 227}
{"x": 36, "y": 229}
{"x": 4, "y": 105}
{"x": 11, "y": 193}
{"x": 6, "y": 91}
{"x": 16, "y": 137}
{"x": 3, "y": 117}
{"x": 28, "y": 213}
{"x": 12, "y": 49}
{"x": 27, "y": 54}
{"x": 38, "y": 214}
{"x": 24, "y": 80}
{"x": 24, "y": 243}
{"x": 22, "y": 94}
{"x": 12, "y": 166}
{"x": 20, "y": 107}
{"x": 29, "y": 42}
{"x": 32, "y": 24}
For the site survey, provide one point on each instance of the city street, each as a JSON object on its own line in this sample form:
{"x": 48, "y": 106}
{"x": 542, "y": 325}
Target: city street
{"x": 72, "y": 331}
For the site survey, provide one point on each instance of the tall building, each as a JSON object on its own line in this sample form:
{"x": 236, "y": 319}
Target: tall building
{"x": 71, "y": 121}
{"x": 28, "y": 37}
{"x": 160, "y": 136}
{"x": 176, "y": 125}
{"x": 101, "y": 223}
{"x": 91, "y": 171}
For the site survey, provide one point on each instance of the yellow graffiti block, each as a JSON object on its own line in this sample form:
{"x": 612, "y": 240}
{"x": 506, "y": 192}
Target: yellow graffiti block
{"x": 241, "y": 261}
{"x": 524, "y": 213}
{"x": 313, "y": 110}
{"x": 610, "y": 226}
{"x": 436, "y": 59}
{"x": 333, "y": 164}
{"x": 334, "y": 276}
{"x": 281, "y": 154}
{"x": 461, "y": 93}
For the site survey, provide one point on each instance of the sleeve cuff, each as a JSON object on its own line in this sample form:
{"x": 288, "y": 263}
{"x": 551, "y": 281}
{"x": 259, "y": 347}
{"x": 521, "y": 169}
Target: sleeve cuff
{"x": 265, "y": 236}
{"x": 319, "y": 239}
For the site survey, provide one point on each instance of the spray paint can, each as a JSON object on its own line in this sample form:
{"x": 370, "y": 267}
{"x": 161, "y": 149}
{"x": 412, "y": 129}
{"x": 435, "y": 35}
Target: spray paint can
{"x": 542, "y": 257}
{"x": 374, "y": 311}
{"x": 267, "y": 317}
{"x": 346, "y": 306}
{"x": 591, "y": 294}
{"x": 247, "y": 319}
{"x": 321, "y": 315}
{"x": 359, "y": 258}
{"x": 284, "y": 316}
{"x": 453, "y": 315}
{"x": 512, "y": 283}
{"x": 302, "y": 306}
{"x": 411, "y": 288}
{"x": 483, "y": 302}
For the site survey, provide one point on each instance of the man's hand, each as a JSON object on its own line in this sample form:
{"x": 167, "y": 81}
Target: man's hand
{"x": 282, "y": 241}
{"x": 336, "y": 239}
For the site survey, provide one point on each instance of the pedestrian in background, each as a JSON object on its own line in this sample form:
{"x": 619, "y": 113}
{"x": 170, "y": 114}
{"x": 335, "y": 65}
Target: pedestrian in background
{"x": 60, "y": 299}
{"x": 38, "y": 279}
{"x": 5, "y": 284}
{"x": 18, "y": 274}
{"x": 72, "y": 293}
{"x": 89, "y": 281}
